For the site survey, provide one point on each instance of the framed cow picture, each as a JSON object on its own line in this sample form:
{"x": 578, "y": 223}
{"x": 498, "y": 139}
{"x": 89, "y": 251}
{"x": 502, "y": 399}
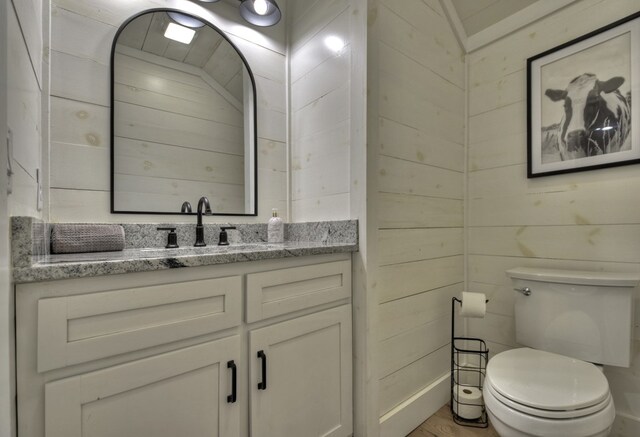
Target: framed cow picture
{"x": 580, "y": 95}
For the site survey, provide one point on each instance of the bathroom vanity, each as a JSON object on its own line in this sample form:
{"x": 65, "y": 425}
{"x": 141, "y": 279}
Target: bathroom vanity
{"x": 260, "y": 348}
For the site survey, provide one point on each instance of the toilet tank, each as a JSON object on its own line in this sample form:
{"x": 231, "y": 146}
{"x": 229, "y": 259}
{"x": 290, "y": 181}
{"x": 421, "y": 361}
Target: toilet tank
{"x": 584, "y": 315}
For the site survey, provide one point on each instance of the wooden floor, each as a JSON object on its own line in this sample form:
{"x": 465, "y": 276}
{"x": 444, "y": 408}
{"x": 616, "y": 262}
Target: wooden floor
{"x": 441, "y": 424}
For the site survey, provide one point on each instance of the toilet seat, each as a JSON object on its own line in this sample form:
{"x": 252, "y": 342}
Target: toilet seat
{"x": 528, "y": 392}
{"x": 544, "y": 381}
{"x": 548, "y": 414}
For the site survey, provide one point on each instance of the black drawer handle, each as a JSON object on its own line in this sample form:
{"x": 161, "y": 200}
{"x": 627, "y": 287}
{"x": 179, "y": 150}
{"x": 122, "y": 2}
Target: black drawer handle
{"x": 263, "y": 385}
{"x": 234, "y": 381}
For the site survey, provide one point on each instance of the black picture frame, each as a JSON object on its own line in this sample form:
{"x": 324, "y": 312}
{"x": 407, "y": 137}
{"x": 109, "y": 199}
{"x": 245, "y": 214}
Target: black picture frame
{"x": 579, "y": 97}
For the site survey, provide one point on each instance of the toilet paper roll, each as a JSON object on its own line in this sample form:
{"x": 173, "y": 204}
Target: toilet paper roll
{"x": 473, "y": 304}
{"x": 467, "y": 402}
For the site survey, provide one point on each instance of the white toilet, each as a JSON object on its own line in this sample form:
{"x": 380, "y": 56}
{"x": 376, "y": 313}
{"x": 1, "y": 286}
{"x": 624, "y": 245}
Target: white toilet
{"x": 569, "y": 320}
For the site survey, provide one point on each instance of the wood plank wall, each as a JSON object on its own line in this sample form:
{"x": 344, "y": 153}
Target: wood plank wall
{"x": 420, "y": 145}
{"x": 320, "y": 115}
{"x": 588, "y": 220}
{"x": 27, "y": 79}
{"x": 82, "y": 33}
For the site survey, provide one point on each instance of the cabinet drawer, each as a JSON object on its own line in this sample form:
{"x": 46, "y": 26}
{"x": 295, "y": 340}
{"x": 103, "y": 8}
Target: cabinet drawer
{"x": 80, "y": 328}
{"x": 277, "y": 292}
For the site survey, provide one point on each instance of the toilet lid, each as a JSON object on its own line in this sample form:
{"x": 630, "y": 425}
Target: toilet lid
{"x": 545, "y": 380}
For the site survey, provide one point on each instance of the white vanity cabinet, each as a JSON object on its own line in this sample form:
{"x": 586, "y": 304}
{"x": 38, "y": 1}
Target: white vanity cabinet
{"x": 182, "y": 352}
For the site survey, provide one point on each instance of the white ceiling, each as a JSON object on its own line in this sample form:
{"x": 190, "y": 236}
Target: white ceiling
{"x": 477, "y": 15}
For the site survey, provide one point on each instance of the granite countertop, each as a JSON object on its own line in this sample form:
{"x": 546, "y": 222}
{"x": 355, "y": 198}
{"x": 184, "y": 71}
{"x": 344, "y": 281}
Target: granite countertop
{"x": 303, "y": 239}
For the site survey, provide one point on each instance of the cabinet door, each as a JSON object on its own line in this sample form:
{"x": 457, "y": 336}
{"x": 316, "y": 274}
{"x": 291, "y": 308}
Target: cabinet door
{"x": 301, "y": 376}
{"x": 181, "y": 393}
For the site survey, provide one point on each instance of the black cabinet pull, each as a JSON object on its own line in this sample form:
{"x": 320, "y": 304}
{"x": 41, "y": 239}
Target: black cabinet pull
{"x": 263, "y": 385}
{"x": 234, "y": 381}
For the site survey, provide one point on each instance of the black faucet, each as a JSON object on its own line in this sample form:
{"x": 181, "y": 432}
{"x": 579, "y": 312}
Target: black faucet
{"x": 199, "y": 228}
{"x": 186, "y": 208}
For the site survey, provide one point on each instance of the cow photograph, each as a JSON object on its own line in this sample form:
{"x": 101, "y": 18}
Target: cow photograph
{"x": 580, "y": 102}
{"x": 596, "y": 119}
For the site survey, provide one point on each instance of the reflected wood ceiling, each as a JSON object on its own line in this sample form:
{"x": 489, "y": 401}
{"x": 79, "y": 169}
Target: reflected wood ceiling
{"x": 208, "y": 49}
{"x": 477, "y": 15}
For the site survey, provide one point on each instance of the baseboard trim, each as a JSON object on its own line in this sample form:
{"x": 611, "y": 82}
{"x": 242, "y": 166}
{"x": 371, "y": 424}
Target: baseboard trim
{"x": 407, "y": 416}
{"x": 626, "y": 425}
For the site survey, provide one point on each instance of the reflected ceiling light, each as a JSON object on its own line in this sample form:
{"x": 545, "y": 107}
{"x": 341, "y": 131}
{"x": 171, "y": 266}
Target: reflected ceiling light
{"x": 260, "y": 12}
{"x": 186, "y": 20}
{"x": 179, "y": 33}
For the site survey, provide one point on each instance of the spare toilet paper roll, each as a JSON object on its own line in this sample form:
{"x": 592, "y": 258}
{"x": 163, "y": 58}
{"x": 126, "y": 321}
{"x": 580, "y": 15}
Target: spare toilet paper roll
{"x": 467, "y": 401}
{"x": 473, "y": 304}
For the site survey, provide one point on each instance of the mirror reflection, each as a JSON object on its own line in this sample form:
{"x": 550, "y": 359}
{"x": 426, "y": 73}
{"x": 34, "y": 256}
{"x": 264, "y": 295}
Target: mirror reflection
{"x": 183, "y": 120}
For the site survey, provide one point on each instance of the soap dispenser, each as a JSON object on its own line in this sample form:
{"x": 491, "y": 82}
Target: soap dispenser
{"x": 275, "y": 228}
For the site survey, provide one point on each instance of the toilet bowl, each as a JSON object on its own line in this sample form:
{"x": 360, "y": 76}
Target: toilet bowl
{"x": 529, "y": 392}
{"x": 568, "y": 320}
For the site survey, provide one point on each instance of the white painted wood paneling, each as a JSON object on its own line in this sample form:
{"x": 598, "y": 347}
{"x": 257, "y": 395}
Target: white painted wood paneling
{"x": 320, "y": 208}
{"x": 407, "y": 245}
{"x": 416, "y": 30}
{"x": 81, "y": 36}
{"x": 408, "y": 211}
{"x": 82, "y": 33}
{"x": 612, "y": 243}
{"x": 315, "y": 51}
{"x": 81, "y": 79}
{"x": 81, "y": 123}
{"x": 7, "y": 311}
{"x": 418, "y": 130}
{"x": 403, "y": 349}
{"x": 29, "y": 15}
{"x": 320, "y": 112}
{"x": 24, "y": 100}
{"x": 400, "y": 176}
{"x": 419, "y": 145}
{"x": 583, "y": 221}
{"x": 401, "y": 385}
{"x": 66, "y": 173}
{"x": 312, "y": 19}
{"x": 402, "y": 280}
{"x": 408, "y": 313}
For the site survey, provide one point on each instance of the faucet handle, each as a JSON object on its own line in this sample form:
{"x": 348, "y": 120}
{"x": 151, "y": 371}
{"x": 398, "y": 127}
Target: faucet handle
{"x": 223, "y": 239}
{"x": 172, "y": 238}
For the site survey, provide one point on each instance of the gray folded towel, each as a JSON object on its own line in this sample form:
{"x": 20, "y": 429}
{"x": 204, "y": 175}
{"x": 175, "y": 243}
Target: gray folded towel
{"x": 72, "y": 238}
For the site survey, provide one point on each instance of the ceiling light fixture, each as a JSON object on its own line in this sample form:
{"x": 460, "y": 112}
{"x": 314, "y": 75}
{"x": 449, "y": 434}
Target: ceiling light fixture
{"x": 179, "y": 33}
{"x": 186, "y": 20}
{"x": 261, "y": 13}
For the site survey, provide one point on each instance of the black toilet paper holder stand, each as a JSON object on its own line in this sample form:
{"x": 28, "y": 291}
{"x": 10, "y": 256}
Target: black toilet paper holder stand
{"x": 469, "y": 357}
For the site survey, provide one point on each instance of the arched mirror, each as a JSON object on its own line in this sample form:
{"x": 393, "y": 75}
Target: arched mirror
{"x": 183, "y": 118}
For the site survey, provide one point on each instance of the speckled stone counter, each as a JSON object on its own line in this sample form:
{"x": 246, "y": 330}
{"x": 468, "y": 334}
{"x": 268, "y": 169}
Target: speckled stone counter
{"x": 33, "y": 263}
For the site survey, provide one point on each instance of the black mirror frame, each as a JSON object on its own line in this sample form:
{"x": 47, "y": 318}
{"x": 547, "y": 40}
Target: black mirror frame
{"x": 112, "y": 116}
